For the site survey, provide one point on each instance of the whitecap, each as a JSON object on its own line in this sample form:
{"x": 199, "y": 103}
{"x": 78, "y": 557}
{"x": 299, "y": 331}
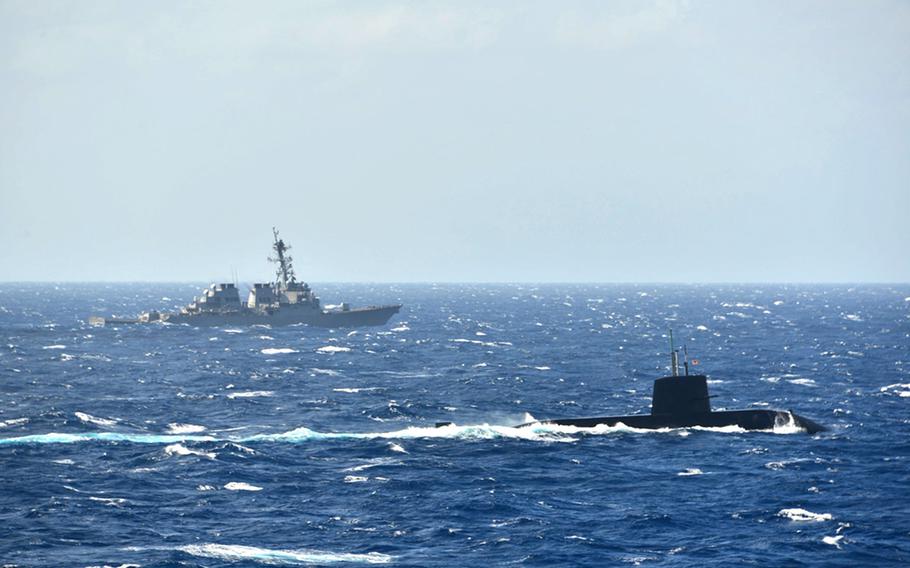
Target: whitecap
{"x": 109, "y": 501}
{"x": 241, "y": 486}
{"x": 355, "y": 479}
{"x": 802, "y": 515}
{"x": 701, "y": 328}
{"x": 277, "y": 351}
{"x": 803, "y": 382}
{"x": 900, "y": 389}
{"x": 333, "y": 349}
{"x": 833, "y": 540}
{"x": 401, "y": 328}
{"x": 181, "y": 450}
{"x": 54, "y": 347}
{"x": 690, "y": 471}
{"x": 13, "y": 422}
{"x": 88, "y": 418}
{"x": 232, "y": 330}
{"x": 177, "y": 428}
{"x": 250, "y": 394}
{"x": 397, "y": 448}
{"x": 235, "y": 552}
{"x": 205, "y": 488}
{"x": 329, "y": 372}
{"x": 542, "y": 368}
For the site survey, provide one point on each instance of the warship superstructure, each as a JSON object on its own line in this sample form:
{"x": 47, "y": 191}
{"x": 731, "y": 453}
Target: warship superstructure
{"x": 286, "y": 301}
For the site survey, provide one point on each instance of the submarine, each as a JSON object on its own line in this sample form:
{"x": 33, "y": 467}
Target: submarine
{"x": 682, "y": 401}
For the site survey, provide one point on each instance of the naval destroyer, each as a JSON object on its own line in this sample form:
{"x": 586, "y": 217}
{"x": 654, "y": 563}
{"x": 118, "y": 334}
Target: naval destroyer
{"x": 286, "y": 301}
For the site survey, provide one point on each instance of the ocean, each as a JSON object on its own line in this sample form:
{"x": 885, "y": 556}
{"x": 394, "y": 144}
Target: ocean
{"x": 164, "y": 445}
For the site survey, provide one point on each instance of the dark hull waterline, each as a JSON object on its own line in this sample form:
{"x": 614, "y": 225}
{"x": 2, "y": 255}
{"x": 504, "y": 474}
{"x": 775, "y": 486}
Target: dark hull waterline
{"x": 745, "y": 419}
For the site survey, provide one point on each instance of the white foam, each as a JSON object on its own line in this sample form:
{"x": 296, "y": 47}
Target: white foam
{"x": 355, "y": 479}
{"x": 401, "y": 328}
{"x": 177, "y": 428}
{"x": 900, "y": 389}
{"x": 241, "y": 486}
{"x": 54, "y": 347}
{"x": 483, "y": 343}
{"x": 181, "y": 450}
{"x": 397, "y": 448}
{"x": 232, "y": 330}
{"x": 205, "y": 488}
{"x": 690, "y": 471}
{"x": 804, "y": 382}
{"x": 277, "y": 351}
{"x": 701, "y": 328}
{"x": 803, "y": 516}
{"x": 235, "y": 552}
{"x": 109, "y": 501}
{"x": 333, "y": 349}
{"x": 250, "y": 394}
{"x": 13, "y": 422}
{"x": 88, "y": 418}
{"x": 833, "y": 540}
{"x": 329, "y": 372}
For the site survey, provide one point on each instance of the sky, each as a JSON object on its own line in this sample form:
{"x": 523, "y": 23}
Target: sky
{"x": 509, "y": 141}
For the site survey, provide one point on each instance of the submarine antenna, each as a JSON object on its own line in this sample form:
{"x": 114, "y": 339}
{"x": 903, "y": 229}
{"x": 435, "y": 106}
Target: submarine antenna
{"x": 674, "y": 356}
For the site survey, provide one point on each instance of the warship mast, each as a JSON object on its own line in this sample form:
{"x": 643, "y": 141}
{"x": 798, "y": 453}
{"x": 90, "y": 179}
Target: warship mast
{"x": 285, "y": 272}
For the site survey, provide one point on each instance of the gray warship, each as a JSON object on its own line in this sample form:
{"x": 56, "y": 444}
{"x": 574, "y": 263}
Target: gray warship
{"x": 283, "y": 302}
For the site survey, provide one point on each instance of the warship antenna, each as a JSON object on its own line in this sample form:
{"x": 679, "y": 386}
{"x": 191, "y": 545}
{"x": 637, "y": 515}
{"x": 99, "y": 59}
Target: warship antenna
{"x": 285, "y": 272}
{"x": 674, "y": 357}
{"x": 686, "y": 358}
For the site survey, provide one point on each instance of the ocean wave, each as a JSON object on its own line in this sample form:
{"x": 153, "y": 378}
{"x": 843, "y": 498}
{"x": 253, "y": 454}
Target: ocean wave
{"x": 13, "y": 422}
{"x": 181, "y": 450}
{"x": 177, "y": 428}
{"x": 277, "y": 351}
{"x": 804, "y": 516}
{"x": 539, "y": 432}
{"x": 250, "y": 394}
{"x": 238, "y": 553}
{"x": 241, "y": 486}
{"x": 333, "y": 349}
{"x": 64, "y": 438}
{"x": 89, "y": 419}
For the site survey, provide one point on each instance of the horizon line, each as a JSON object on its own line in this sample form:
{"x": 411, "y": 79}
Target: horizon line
{"x": 500, "y": 282}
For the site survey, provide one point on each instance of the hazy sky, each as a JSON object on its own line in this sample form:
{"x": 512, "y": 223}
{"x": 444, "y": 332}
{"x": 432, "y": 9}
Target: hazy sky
{"x": 456, "y": 141}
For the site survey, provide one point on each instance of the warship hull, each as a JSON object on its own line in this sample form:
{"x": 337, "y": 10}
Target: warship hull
{"x": 288, "y": 315}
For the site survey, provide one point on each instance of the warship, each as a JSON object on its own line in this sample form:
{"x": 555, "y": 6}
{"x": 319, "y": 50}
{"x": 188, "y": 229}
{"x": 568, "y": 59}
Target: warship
{"x": 286, "y": 301}
{"x": 682, "y": 401}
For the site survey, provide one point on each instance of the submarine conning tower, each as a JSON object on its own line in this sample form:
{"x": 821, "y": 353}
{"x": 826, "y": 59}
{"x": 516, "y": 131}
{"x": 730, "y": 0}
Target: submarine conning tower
{"x": 678, "y": 395}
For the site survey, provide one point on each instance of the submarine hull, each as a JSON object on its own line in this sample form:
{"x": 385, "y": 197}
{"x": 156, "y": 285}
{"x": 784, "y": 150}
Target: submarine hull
{"x": 745, "y": 419}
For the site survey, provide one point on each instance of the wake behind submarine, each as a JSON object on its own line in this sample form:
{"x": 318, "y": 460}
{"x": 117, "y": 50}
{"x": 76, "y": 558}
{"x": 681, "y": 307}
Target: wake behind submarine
{"x": 682, "y": 401}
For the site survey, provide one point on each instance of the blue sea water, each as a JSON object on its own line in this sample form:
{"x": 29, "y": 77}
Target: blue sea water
{"x": 160, "y": 445}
